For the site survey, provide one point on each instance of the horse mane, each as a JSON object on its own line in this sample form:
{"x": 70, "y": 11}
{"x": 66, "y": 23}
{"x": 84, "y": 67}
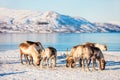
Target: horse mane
{"x": 31, "y": 42}
{"x": 90, "y": 44}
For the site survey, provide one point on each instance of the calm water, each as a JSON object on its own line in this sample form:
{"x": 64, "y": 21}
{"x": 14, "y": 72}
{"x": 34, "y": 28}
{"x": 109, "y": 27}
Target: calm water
{"x": 61, "y": 41}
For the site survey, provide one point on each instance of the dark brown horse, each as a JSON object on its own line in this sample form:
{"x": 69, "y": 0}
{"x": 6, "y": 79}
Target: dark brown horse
{"x": 99, "y": 56}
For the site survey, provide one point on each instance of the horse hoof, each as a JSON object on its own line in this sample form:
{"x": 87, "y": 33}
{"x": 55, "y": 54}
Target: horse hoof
{"x": 83, "y": 70}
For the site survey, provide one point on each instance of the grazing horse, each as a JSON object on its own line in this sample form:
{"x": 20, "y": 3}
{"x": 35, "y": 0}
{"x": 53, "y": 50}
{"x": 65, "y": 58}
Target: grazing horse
{"x": 76, "y": 54}
{"x": 29, "y": 50}
{"x": 38, "y": 47}
{"x": 99, "y": 56}
{"x": 49, "y": 55}
{"x": 85, "y": 52}
{"x": 100, "y": 46}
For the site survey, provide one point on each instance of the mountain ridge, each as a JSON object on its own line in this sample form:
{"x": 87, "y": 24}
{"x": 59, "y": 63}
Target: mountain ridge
{"x": 25, "y": 21}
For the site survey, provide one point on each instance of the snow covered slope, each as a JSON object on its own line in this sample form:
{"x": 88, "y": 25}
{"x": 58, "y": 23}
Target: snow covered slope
{"x": 25, "y": 21}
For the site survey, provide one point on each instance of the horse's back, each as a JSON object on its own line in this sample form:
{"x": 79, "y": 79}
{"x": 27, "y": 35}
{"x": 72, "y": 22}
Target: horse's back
{"x": 77, "y": 51}
{"x": 53, "y": 51}
{"x": 90, "y": 44}
{"x": 31, "y": 43}
{"x": 50, "y": 51}
{"x": 23, "y": 46}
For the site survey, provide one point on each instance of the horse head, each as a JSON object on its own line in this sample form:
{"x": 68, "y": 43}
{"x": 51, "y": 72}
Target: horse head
{"x": 102, "y": 64}
{"x": 70, "y": 62}
{"x": 37, "y": 62}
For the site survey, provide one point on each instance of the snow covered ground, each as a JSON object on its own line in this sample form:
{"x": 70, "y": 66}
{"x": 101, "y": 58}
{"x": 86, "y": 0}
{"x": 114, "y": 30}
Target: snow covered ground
{"x": 11, "y": 69}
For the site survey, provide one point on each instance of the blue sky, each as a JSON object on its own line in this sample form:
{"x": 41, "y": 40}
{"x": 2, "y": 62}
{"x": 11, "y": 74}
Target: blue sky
{"x": 92, "y": 10}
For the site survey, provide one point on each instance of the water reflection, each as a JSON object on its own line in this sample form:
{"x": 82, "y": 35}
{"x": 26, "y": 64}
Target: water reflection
{"x": 61, "y": 41}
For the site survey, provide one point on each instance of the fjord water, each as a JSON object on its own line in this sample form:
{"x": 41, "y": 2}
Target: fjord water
{"x": 61, "y": 41}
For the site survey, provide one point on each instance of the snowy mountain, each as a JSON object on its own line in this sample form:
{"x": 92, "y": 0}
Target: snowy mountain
{"x": 107, "y": 27}
{"x": 25, "y": 21}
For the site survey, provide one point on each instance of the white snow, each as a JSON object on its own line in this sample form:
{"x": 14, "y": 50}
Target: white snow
{"x": 12, "y": 69}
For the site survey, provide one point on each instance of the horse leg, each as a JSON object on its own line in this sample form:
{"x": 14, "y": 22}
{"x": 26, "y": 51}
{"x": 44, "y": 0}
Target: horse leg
{"x": 80, "y": 62}
{"x": 21, "y": 59}
{"x": 53, "y": 62}
{"x": 45, "y": 61}
{"x": 83, "y": 66}
{"x": 94, "y": 64}
{"x": 26, "y": 58}
{"x": 99, "y": 64}
{"x": 87, "y": 64}
{"x": 41, "y": 62}
{"x": 31, "y": 60}
{"x": 21, "y": 56}
{"x": 48, "y": 62}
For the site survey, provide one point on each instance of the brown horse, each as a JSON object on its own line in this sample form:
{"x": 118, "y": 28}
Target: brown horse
{"x": 102, "y": 47}
{"x": 29, "y": 50}
{"x": 38, "y": 47}
{"x": 99, "y": 56}
{"x": 49, "y": 55}
{"x": 84, "y": 52}
{"x": 76, "y": 54}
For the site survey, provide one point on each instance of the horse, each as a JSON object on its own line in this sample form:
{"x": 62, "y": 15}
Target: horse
{"x": 102, "y": 47}
{"x": 99, "y": 56}
{"x": 29, "y": 50}
{"x": 38, "y": 47}
{"x": 49, "y": 55}
{"x": 85, "y": 52}
{"x": 75, "y": 55}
